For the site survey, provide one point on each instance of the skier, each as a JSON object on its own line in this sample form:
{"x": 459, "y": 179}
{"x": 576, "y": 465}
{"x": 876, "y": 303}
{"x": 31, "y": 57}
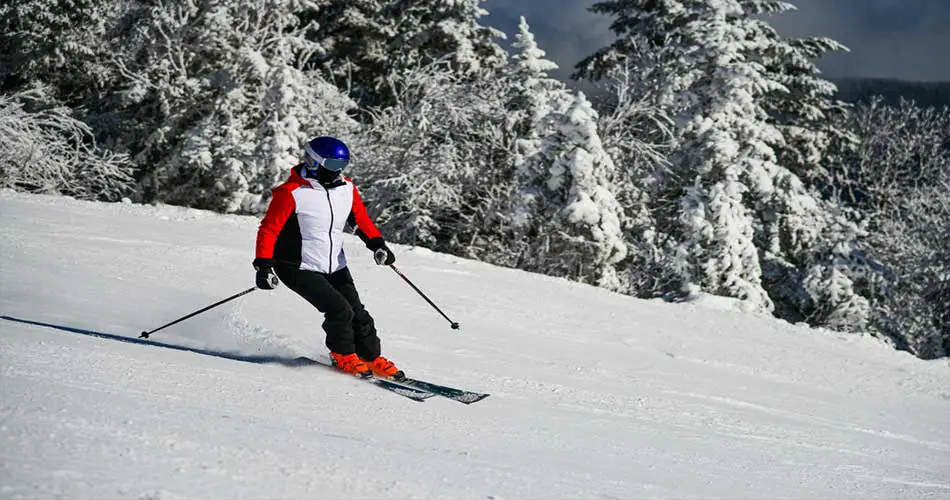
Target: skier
{"x": 300, "y": 241}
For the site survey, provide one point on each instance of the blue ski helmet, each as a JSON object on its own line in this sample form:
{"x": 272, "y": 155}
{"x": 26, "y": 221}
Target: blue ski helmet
{"x": 327, "y": 152}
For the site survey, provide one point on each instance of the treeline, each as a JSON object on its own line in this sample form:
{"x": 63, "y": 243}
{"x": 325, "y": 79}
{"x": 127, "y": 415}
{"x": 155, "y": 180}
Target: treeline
{"x": 720, "y": 161}
{"x": 863, "y": 90}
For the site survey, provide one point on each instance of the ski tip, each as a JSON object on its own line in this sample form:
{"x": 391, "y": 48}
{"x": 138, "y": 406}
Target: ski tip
{"x": 473, "y": 399}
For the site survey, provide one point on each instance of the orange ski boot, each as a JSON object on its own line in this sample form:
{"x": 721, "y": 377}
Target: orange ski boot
{"x": 385, "y": 368}
{"x": 352, "y": 364}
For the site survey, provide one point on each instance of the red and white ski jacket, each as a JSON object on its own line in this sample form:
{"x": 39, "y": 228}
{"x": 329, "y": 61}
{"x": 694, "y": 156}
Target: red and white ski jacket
{"x": 305, "y": 220}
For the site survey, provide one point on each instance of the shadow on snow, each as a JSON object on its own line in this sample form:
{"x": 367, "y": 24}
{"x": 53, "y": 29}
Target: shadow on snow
{"x": 280, "y": 360}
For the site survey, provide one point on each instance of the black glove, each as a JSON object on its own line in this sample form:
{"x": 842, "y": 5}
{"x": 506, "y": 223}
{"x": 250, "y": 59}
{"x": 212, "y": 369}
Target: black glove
{"x": 266, "y": 277}
{"x": 381, "y": 253}
{"x": 384, "y": 256}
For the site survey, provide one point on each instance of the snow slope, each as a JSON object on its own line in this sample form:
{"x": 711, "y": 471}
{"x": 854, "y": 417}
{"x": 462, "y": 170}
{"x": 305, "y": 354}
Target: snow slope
{"x": 594, "y": 395}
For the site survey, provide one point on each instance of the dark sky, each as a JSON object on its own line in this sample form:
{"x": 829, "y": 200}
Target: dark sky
{"x": 904, "y": 39}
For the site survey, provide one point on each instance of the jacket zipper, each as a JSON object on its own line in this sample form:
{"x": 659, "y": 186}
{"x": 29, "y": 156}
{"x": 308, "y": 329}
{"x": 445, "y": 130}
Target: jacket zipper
{"x": 330, "y": 234}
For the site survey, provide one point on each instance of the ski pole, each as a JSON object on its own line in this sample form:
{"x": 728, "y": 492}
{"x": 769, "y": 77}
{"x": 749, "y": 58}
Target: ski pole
{"x": 454, "y": 325}
{"x": 145, "y": 335}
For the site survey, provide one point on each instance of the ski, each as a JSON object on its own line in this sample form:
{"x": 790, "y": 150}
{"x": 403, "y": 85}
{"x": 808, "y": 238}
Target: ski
{"x": 465, "y": 397}
{"x": 413, "y": 393}
{"x": 415, "y": 389}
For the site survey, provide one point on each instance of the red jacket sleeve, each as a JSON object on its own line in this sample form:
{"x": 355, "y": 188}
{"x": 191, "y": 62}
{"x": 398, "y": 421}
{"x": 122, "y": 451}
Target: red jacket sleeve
{"x": 282, "y": 205}
{"x": 361, "y": 218}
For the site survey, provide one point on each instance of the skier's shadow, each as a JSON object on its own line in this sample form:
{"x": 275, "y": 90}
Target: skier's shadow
{"x": 280, "y": 360}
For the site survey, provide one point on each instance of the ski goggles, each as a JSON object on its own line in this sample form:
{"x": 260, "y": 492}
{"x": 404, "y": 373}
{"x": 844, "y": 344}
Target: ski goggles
{"x": 312, "y": 159}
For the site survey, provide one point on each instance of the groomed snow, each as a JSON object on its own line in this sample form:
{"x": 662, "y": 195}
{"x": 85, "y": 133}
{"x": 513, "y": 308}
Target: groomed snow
{"x": 594, "y": 394}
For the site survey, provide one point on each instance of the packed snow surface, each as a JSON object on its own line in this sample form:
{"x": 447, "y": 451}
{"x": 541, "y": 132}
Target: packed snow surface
{"x": 594, "y": 394}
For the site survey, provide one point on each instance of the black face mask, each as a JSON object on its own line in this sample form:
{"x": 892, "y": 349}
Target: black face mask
{"x": 322, "y": 175}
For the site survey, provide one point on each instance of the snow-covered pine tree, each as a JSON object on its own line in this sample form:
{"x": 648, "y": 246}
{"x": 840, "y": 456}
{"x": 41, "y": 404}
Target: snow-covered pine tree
{"x": 646, "y": 56}
{"x": 564, "y": 217}
{"x": 805, "y": 109}
{"x": 814, "y": 268}
{"x": 430, "y": 30}
{"x": 372, "y": 44}
{"x": 56, "y": 44}
{"x": 640, "y": 26}
{"x": 724, "y": 151}
{"x": 355, "y": 37}
{"x": 580, "y": 230}
{"x": 741, "y": 208}
{"x": 164, "y": 86}
{"x": 229, "y": 101}
{"x": 533, "y": 95}
{"x": 533, "y": 92}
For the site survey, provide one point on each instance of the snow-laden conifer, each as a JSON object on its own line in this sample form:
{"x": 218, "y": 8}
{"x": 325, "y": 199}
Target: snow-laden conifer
{"x": 533, "y": 95}
{"x": 742, "y": 215}
{"x": 565, "y": 217}
{"x": 580, "y": 231}
{"x": 804, "y": 110}
{"x": 226, "y": 86}
{"x": 57, "y": 44}
{"x": 371, "y": 45}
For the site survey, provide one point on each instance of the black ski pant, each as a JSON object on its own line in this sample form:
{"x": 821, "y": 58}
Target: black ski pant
{"x": 348, "y": 325}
